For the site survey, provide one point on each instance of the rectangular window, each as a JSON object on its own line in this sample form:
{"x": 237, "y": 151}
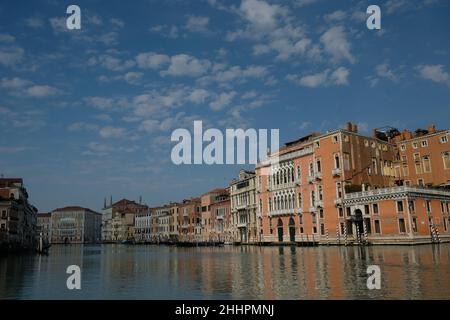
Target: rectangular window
{"x": 399, "y": 206}
{"x": 341, "y": 212}
{"x": 426, "y": 164}
{"x": 444, "y": 139}
{"x": 301, "y": 229}
{"x": 401, "y": 225}
{"x": 416, "y": 156}
{"x": 348, "y": 211}
{"x": 420, "y": 182}
{"x": 446, "y": 159}
{"x": 338, "y": 190}
{"x": 375, "y": 208}
{"x": 322, "y": 229}
{"x": 415, "y": 145}
{"x": 414, "y": 224}
{"x": 314, "y": 230}
{"x": 347, "y": 161}
{"x": 418, "y": 167}
{"x": 377, "y": 226}
{"x": 412, "y": 205}
{"x": 424, "y": 143}
{"x": 405, "y": 171}
{"x": 366, "y": 209}
{"x": 299, "y": 200}
{"x": 428, "y": 205}
{"x": 403, "y": 147}
{"x": 321, "y": 213}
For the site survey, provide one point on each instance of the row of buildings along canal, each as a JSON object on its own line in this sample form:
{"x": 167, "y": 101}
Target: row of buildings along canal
{"x": 338, "y": 187}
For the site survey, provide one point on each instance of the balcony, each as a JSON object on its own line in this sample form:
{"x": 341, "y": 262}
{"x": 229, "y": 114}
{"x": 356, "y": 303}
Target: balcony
{"x": 336, "y": 172}
{"x": 318, "y": 175}
{"x": 338, "y": 202}
{"x": 220, "y": 217}
{"x": 185, "y": 226}
{"x": 312, "y": 209}
{"x": 241, "y": 206}
{"x": 319, "y": 204}
{"x": 242, "y": 225}
{"x": 311, "y": 179}
{"x": 298, "y": 210}
{"x": 282, "y": 212}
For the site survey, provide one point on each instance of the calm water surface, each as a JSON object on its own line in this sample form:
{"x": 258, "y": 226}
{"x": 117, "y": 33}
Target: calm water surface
{"x": 159, "y": 272}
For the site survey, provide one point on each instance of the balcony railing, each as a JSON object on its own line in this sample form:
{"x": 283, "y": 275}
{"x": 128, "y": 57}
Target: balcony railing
{"x": 312, "y": 209}
{"x": 282, "y": 212}
{"x": 394, "y": 190}
{"x": 336, "y": 172}
{"x": 338, "y": 202}
{"x": 318, "y": 175}
{"x": 311, "y": 179}
{"x": 242, "y": 225}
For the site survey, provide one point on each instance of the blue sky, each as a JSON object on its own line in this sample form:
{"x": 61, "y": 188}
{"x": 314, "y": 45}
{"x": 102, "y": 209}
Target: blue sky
{"x": 88, "y": 113}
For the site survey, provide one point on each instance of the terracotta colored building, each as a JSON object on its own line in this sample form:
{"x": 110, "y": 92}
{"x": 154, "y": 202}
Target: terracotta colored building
{"x": 302, "y": 200}
{"x": 190, "y": 220}
{"x": 208, "y": 217}
{"x": 220, "y": 225}
{"x": 423, "y": 157}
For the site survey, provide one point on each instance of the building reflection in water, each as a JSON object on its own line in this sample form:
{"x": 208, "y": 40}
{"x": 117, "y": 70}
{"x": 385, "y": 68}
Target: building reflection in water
{"x": 245, "y": 272}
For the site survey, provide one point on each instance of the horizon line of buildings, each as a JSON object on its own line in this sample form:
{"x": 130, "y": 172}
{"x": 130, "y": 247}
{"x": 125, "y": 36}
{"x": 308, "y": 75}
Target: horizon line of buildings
{"x": 337, "y": 187}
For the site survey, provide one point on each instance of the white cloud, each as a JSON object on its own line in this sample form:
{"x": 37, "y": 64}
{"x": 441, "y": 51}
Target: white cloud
{"x": 185, "y": 65}
{"x": 5, "y": 37}
{"x": 111, "y": 63}
{"x": 117, "y": 22}
{"x": 197, "y": 24}
{"x": 337, "y": 15}
{"x": 434, "y": 73}
{"x": 384, "y": 71}
{"x": 100, "y": 102}
{"x": 112, "y": 132}
{"x": 82, "y": 126}
{"x": 152, "y": 60}
{"x": 222, "y": 100}
{"x": 10, "y": 56}
{"x": 261, "y": 15}
{"x": 336, "y": 44}
{"x": 35, "y": 22}
{"x": 338, "y": 77}
{"x": 14, "y": 83}
{"x": 103, "y": 117}
{"x": 41, "y": 91}
{"x": 198, "y": 96}
{"x": 133, "y": 77}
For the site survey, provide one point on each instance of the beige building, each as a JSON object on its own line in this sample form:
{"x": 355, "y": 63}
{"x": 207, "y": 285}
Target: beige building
{"x": 44, "y": 226}
{"x": 75, "y": 225}
{"x": 245, "y": 221}
{"x": 119, "y": 220}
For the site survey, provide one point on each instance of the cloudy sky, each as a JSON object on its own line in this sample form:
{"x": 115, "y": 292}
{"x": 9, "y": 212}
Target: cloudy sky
{"x": 88, "y": 113}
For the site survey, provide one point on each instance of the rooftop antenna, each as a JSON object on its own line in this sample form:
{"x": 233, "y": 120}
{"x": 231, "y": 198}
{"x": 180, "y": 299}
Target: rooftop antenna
{"x": 110, "y": 200}
{"x": 104, "y": 203}
{"x": 140, "y": 199}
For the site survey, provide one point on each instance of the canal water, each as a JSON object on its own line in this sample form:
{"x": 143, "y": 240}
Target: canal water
{"x": 246, "y": 272}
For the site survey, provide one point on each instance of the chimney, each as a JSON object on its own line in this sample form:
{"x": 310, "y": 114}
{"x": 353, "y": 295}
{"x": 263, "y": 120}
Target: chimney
{"x": 432, "y": 129}
{"x": 355, "y": 128}
{"x": 349, "y": 126}
{"x": 406, "y": 134}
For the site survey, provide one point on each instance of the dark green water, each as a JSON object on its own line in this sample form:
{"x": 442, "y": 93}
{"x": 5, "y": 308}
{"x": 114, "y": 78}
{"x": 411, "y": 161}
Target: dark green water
{"x": 152, "y": 272}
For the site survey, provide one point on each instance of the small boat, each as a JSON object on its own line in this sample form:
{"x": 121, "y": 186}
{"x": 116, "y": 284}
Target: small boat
{"x": 127, "y": 242}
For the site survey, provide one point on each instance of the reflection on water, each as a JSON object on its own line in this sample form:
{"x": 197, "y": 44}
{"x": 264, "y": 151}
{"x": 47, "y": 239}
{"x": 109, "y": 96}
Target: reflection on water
{"x": 152, "y": 272}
